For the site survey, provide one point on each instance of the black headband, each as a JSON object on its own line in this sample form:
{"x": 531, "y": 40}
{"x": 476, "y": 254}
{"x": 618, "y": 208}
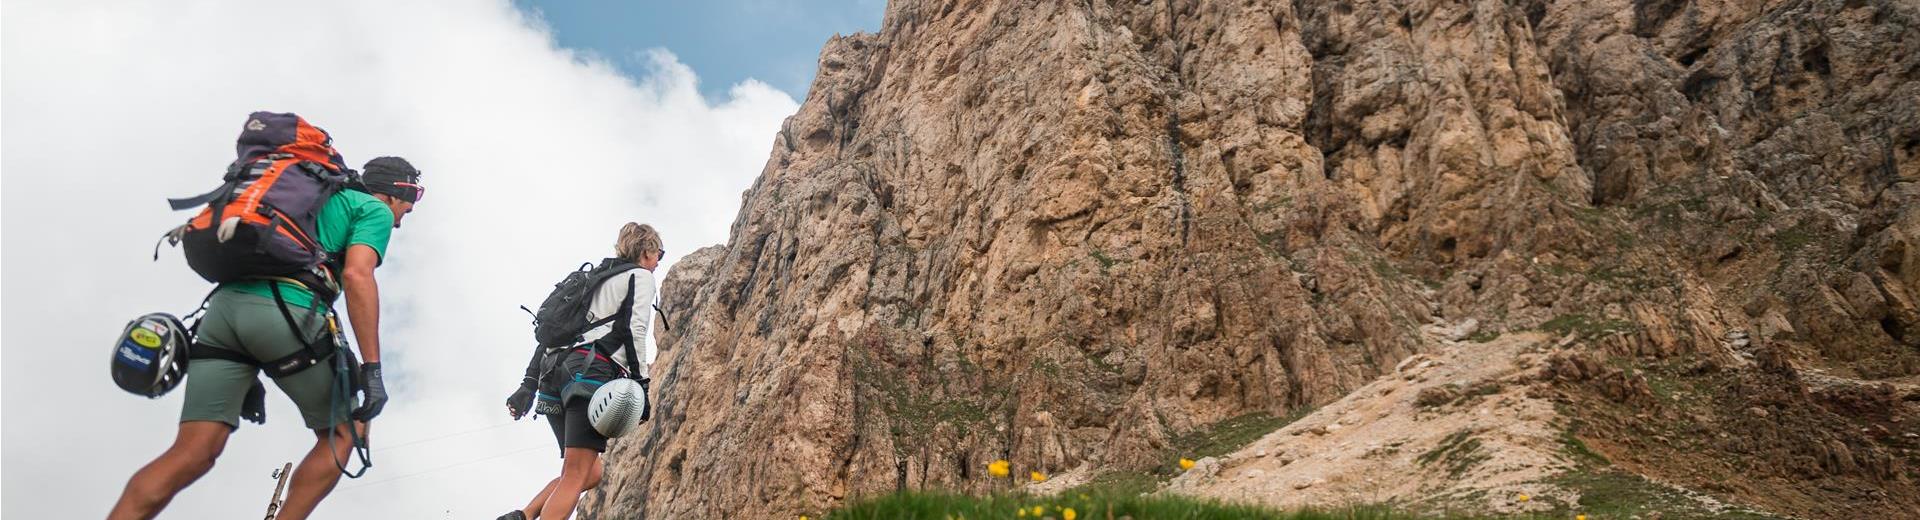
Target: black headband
{"x": 393, "y": 177}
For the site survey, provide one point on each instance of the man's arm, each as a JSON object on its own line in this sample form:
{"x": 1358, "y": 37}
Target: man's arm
{"x": 363, "y": 299}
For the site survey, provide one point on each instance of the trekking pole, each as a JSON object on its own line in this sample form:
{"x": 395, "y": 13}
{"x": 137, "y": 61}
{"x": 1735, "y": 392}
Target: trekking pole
{"x": 273, "y": 506}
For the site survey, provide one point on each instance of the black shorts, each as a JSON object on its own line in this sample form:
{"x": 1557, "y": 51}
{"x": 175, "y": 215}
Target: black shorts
{"x": 568, "y": 384}
{"x": 572, "y": 430}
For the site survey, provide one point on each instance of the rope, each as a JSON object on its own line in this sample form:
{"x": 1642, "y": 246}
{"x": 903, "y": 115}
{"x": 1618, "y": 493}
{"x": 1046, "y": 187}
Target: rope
{"x": 450, "y": 435}
{"x": 443, "y": 468}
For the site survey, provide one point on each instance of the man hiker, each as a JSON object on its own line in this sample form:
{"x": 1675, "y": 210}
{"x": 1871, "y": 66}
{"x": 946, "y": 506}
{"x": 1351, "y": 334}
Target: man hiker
{"x": 250, "y": 322}
{"x": 564, "y": 377}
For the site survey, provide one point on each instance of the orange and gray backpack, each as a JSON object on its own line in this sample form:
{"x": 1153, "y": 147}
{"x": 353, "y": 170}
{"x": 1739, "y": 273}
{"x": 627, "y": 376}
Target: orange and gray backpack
{"x": 260, "y": 222}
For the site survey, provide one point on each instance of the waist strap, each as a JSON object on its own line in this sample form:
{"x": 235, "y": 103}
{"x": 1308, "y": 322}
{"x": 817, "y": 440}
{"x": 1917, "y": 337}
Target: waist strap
{"x": 597, "y": 355}
{"x": 277, "y": 368}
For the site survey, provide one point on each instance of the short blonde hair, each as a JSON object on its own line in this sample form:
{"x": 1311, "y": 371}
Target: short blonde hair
{"x": 636, "y": 241}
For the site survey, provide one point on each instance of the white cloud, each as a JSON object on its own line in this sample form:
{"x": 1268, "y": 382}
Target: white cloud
{"x": 534, "y": 156}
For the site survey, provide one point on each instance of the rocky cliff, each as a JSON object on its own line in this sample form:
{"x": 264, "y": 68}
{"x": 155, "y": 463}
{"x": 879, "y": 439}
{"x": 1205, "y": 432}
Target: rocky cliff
{"x": 1066, "y": 233}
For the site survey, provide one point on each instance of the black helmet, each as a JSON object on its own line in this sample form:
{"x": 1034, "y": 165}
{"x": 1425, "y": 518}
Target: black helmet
{"x": 150, "y": 357}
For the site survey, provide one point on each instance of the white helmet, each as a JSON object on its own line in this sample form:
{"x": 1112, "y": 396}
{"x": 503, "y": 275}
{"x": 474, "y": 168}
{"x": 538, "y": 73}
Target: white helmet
{"x": 617, "y": 406}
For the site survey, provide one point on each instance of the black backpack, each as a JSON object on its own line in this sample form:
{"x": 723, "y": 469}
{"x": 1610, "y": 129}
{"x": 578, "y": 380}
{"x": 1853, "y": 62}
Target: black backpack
{"x": 562, "y": 318}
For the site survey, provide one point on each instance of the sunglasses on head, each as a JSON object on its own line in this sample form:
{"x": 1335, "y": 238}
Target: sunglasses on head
{"x": 419, "y": 190}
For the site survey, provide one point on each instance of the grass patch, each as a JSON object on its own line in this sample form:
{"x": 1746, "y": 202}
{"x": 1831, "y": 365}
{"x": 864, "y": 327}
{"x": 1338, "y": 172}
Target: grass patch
{"x": 1620, "y": 277}
{"x": 1106, "y": 262}
{"x": 1600, "y": 221}
{"x": 1556, "y": 269}
{"x": 1047, "y": 366}
{"x": 1222, "y": 438}
{"x": 1271, "y": 243}
{"x": 913, "y": 409}
{"x": 1387, "y": 270}
{"x": 1454, "y": 393}
{"x": 943, "y": 506}
{"x": 1118, "y": 483}
{"x": 1101, "y": 363}
{"x": 1663, "y": 387}
{"x": 1616, "y": 494}
{"x": 908, "y": 316}
{"x": 1576, "y": 448}
{"x": 1607, "y": 492}
{"x": 1230, "y": 435}
{"x": 1586, "y": 327}
{"x": 1273, "y": 205}
{"x": 1793, "y": 239}
{"x": 1481, "y": 389}
{"x": 1457, "y": 453}
{"x": 1484, "y": 335}
{"x": 1393, "y": 273}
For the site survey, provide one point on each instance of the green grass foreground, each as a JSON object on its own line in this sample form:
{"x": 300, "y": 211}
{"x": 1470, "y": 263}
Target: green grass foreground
{"x": 942, "y": 506}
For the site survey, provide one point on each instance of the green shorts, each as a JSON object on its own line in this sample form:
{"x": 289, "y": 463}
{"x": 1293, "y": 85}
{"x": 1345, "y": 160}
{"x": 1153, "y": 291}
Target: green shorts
{"x": 253, "y": 326}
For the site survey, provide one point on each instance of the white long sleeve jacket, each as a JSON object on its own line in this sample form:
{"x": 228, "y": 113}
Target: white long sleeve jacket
{"x": 607, "y": 302}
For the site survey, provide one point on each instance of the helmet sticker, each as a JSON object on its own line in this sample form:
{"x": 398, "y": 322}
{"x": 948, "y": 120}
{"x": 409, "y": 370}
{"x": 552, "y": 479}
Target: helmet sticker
{"x": 145, "y": 337}
{"x": 141, "y": 358}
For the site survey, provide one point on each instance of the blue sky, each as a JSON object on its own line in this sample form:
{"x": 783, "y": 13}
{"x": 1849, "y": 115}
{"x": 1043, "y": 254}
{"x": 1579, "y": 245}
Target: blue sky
{"x": 723, "y": 41}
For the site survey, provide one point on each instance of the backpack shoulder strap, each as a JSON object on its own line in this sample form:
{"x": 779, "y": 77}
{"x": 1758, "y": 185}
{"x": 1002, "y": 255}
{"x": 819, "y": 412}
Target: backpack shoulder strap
{"x": 235, "y": 172}
{"x": 600, "y": 282}
{"x": 626, "y": 308}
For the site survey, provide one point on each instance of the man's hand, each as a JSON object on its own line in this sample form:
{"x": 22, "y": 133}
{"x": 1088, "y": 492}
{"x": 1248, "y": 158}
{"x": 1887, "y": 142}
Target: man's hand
{"x": 521, "y": 401}
{"x": 375, "y": 390}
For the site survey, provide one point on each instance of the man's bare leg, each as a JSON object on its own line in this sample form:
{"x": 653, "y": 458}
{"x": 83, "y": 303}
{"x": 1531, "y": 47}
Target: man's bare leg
{"x": 194, "y": 449}
{"x": 319, "y": 472}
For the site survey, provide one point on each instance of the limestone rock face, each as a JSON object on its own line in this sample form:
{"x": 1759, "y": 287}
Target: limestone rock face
{"x": 1065, "y": 233}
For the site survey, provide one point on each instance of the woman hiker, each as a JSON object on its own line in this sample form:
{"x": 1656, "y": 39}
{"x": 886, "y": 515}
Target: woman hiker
{"x": 564, "y": 378}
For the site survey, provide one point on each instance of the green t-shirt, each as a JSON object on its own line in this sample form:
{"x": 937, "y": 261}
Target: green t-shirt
{"x": 348, "y": 218}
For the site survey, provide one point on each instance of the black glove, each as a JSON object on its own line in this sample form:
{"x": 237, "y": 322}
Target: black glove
{"x": 254, "y": 407}
{"x": 521, "y": 401}
{"x": 375, "y": 392}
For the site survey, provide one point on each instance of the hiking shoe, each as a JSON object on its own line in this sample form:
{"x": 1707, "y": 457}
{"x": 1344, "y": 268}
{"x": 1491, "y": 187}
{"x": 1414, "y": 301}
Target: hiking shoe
{"x": 515, "y": 515}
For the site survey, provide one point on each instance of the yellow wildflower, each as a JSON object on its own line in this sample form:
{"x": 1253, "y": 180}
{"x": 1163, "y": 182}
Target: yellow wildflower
{"x": 1524, "y": 497}
{"x": 1037, "y": 476}
{"x": 1579, "y": 517}
{"x": 1039, "y": 511}
{"x": 1068, "y": 514}
{"x": 1022, "y": 512}
{"x": 1186, "y": 464}
{"x": 997, "y": 468}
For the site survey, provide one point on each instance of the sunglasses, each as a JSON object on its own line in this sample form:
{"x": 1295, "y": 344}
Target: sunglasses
{"x": 419, "y": 190}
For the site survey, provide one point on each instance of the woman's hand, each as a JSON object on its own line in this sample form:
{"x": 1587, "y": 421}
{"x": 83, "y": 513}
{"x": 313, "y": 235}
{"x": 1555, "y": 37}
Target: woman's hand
{"x": 520, "y": 402}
